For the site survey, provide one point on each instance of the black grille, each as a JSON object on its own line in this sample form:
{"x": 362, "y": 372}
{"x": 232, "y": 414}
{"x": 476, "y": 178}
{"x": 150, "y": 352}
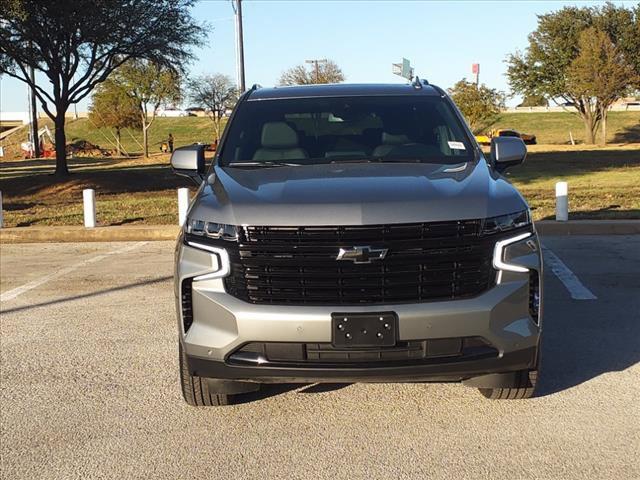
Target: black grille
{"x": 298, "y": 265}
{"x": 187, "y": 303}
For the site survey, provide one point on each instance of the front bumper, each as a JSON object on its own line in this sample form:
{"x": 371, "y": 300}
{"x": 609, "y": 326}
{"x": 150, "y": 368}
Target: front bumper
{"x": 221, "y": 324}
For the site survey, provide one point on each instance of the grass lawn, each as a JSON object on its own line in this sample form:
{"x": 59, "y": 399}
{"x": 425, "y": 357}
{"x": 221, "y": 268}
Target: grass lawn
{"x": 554, "y": 127}
{"x": 550, "y": 128}
{"x": 603, "y": 184}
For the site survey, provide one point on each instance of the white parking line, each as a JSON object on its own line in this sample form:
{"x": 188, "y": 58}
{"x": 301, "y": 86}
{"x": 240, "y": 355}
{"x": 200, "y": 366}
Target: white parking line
{"x": 576, "y": 289}
{"x": 11, "y": 294}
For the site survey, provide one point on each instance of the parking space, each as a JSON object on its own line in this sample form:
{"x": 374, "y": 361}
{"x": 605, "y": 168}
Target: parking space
{"x": 89, "y": 385}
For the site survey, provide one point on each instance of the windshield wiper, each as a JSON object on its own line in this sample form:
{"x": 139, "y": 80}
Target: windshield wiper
{"x": 378, "y": 160}
{"x": 263, "y": 164}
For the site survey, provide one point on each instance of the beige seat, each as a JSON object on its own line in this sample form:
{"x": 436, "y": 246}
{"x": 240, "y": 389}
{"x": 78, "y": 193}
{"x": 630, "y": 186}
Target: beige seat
{"x": 389, "y": 142}
{"x": 279, "y": 142}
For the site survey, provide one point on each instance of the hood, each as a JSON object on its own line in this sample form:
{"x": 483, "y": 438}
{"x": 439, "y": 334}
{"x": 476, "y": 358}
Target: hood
{"x": 355, "y": 194}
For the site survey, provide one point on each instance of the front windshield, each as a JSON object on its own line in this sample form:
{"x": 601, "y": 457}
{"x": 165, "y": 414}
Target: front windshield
{"x": 304, "y": 131}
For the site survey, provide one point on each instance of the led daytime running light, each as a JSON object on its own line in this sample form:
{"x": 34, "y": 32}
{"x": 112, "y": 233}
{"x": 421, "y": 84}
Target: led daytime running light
{"x": 498, "y": 254}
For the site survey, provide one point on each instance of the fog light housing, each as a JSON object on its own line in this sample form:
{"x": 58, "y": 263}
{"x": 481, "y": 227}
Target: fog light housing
{"x": 534, "y": 296}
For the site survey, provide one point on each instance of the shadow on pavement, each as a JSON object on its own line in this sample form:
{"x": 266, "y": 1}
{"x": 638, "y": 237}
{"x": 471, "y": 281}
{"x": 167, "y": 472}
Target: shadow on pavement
{"x": 266, "y": 390}
{"x": 324, "y": 387}
{"x": 273, "y": 389}
{"x": 585, "y": 339}
{"x": 87, "y": 295}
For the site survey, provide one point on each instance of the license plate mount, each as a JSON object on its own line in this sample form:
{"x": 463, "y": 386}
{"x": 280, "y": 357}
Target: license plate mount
{"x": 364, "y": 329}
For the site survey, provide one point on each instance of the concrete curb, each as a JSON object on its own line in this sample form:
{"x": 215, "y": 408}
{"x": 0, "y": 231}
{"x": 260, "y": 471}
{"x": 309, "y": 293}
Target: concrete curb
{"x": 124, "y": 233}
{"x": 588, "y": 227}
{"x": 127, "y": 233}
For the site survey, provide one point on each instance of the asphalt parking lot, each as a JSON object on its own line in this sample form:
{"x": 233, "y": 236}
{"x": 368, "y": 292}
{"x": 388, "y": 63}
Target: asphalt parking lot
{"x": 89, "y": 384}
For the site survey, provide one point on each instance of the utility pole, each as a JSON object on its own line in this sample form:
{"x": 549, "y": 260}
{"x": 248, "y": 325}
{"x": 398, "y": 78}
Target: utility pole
{"x": 34, "y": 114}
{"x": 237, "y": 8}
{"x": 315, "y": 62}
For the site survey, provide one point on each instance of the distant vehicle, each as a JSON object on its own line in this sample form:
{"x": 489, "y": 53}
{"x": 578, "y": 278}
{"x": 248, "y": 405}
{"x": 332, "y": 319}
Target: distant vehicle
{"x": 196, "y": 112}
{"x": 173, "y": 113}
{"x": 527, "y": 138}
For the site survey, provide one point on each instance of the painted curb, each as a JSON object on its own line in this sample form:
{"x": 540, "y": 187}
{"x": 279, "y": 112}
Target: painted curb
{"x": 128, "y": 233}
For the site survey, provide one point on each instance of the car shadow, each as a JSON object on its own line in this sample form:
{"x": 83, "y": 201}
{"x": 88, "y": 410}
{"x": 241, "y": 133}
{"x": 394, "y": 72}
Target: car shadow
{"x": 266, "y": 390}
{"x": 274, "y": 389}
{"x": 583, "y": 339}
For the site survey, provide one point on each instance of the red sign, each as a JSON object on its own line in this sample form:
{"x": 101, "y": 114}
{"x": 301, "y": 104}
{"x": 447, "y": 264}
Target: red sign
{"x": 475, "y": 68}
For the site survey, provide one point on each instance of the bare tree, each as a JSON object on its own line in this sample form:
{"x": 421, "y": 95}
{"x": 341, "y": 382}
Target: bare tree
{"x": 149, "y": 85}
{"x": 326, "y": 72}
{"x": 76, "y": 44}
{"x": 215, "y": 93}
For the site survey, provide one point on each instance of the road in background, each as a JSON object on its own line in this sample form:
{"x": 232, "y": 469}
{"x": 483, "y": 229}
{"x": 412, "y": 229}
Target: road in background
{"x": 89, "y": 386}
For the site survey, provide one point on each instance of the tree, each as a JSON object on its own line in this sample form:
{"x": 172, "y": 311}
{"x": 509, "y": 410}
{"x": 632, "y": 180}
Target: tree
{"x": 322, "y": 72}
{"x": 534, "y": 101}
{"x": 480, "y": 105}
{"x": 112, "y": 108}
{"x": 599, "y": 76}
{"x": 543, "y": 69}
{"x": 149, "y": 85}
{"x": 76, "y": 44}
{"x": 216, "y": 93}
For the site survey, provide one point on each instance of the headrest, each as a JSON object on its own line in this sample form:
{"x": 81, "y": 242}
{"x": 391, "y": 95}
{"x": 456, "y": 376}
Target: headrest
{"x": 390, "y": 139}
{"x": 278, "y": 135}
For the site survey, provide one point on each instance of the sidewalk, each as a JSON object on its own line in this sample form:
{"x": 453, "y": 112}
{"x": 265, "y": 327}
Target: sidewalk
{"x": 127, "y": 233}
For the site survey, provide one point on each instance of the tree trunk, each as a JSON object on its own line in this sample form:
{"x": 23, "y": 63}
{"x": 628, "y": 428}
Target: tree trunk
{"x": 589, "y": 136}
{"x": 118, "y": 144}
{"x": 590, "y": 127}
{"x": 145, "y": 140}
{"x": 604, "y": 127}
{"x": 61, "y": 143}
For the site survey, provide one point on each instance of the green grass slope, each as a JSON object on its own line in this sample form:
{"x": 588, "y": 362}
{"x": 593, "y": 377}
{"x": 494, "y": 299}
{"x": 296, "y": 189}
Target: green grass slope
{"x": 554, "y": 127}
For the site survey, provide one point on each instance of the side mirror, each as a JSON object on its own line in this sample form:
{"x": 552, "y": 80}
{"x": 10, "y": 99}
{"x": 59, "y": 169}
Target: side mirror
{"x": 507, "y": 152}
{"x": 189, "y": 162}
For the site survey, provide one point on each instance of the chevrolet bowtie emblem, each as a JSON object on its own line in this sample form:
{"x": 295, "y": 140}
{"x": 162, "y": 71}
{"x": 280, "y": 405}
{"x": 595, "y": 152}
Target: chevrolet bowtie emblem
{"x": 362, "y": 254}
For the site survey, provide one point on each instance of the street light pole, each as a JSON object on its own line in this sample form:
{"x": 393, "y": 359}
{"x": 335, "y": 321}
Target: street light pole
{"x": 237, "y": 7}
{"x": 34, "y": 114}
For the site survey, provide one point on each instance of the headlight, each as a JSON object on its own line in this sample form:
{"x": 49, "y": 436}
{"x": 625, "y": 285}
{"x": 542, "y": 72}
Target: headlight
{"x": 504, "y": 223}
{"x": 218, "y": 231}
{"x": 198, "y": 235}
{"x": 507, "y": 223}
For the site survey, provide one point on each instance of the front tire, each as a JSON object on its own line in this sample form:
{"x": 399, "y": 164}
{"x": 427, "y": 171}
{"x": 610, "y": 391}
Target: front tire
{"x": 525, "y": 388}
{"x": 195, "y": 390}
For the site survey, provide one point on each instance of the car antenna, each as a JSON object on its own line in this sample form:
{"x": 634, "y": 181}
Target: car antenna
{"x": 418, "y": 84}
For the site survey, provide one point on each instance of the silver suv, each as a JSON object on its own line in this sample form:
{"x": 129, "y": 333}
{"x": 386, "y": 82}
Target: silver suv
{"x": 355, "y": 233}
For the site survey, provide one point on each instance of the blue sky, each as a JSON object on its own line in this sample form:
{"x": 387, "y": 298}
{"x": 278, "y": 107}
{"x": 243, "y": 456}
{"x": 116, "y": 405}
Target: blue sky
{"x": 442, "y": 39}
